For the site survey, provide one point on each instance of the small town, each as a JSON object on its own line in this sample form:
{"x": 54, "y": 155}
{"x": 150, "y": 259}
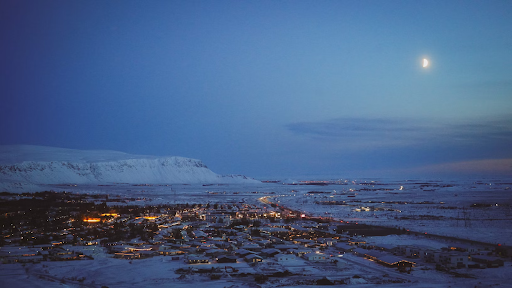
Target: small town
{"x": 213, "y": 240}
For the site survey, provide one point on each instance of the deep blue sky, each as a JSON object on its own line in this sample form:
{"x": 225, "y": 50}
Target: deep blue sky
{"x": 262, "y": 87}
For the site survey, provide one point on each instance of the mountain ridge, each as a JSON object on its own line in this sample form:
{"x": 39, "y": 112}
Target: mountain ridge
{"x": 100, "y": 166}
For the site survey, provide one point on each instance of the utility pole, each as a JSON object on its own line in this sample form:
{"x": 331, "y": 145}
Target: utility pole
{"x": 467, "y": 222}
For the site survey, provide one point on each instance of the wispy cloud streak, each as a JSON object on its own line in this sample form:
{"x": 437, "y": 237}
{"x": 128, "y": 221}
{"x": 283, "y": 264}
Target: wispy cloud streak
{"x": 487, "y": 166}
{"x": 388, "y": 132}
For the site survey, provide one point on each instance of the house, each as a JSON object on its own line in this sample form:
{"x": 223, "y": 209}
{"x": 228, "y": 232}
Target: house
{"x": 171, "y": 252}
{"x": 327, "y": 241}
{"x": 405, "y": 250}
{"x": 314, "y": 256}
{"x": 284, "y": 257}
{"x": 59, "y": 252}
{"x": 275, "y": 231}
{"x": 243, "y": 252}
{"x": 89, "y": 242}
{"x": 214, "y": 252}
{"x": 252, "y": 247}
{"x": 136, "y": 242}
{"x": 147, "y": 253}
{"x": 356, "y": 242}
{"x": 359, "y": 252}
{"x": 263, "y": 243}
{"x": 224, "y": 244}
{"x": 127, "y": 255}
{"x": 285, "y": 247}
{"x": 180, "y": 246}
{"x": 226, "y": 259}
{"x": 430, "y": 256}
{"x": 253, "y": 258}
{"x": 198, "y": 234}
{"x": 304, "y": 242}
{"x": 301, "y": 251}
{"x": 21, "y": 255}
{"x": 490, "y": 262}
{"x": 414, "y": 251}
{"x": 385, "y": 247}
{"x": 270, "y": 252}
{"x": 454, "y": 260}
{"x": 28, "y": 259}
{"x": 465, "y": 248}
{"x": 504, "y": 250}
{"x": 194, "y": 259}
{"x": 217, "y": 218}
{"x": 141, "y": 248}
{"x": 344, "y": 247}
{"x": 389, "y": 260}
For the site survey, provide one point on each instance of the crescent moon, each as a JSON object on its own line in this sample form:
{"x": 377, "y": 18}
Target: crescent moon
{"x": 425, "y": 63}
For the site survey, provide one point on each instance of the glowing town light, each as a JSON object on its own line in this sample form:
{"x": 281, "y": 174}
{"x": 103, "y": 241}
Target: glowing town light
{"x": 92, "y": 220}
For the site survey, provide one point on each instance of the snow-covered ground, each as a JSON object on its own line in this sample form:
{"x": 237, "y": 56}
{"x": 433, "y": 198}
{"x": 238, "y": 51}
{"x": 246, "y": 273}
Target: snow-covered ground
{"x": 161, "y": 271}
{"x": 444, "y": 207}
{"x": 474, "y": 209}
{"x": 464, "y": 209}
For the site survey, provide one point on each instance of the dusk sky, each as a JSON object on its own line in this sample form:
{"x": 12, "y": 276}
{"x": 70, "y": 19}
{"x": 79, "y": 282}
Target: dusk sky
{"x": 265, "y": 88}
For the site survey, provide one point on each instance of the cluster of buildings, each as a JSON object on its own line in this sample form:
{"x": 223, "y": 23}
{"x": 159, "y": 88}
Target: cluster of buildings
{"x": 219, "y": 236}
{"x": 232, "y": 233}
{"x": 39, "y": 253}
{"x": 404, "y": 256}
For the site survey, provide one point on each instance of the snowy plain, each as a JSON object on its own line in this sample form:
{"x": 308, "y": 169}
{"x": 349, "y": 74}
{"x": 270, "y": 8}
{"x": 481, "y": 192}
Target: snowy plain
{"x": 160, "y": 271}
{"x": 473, "y": 209}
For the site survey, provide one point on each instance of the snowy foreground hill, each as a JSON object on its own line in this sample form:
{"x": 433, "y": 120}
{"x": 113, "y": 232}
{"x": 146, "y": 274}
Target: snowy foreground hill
{"x": 24, "y": 167}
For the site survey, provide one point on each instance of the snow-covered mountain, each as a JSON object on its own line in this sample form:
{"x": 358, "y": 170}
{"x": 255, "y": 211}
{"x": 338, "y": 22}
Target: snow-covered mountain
{"x": 25, "y": 166}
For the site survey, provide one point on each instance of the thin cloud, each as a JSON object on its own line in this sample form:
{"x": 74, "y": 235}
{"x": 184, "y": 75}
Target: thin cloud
{"x": 487, "y": 166}
{"x": 406, "y": 132}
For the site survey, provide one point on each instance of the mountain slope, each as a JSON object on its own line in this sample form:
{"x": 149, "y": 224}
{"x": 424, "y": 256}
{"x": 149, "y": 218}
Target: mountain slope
{"x": 47, "y": 165}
